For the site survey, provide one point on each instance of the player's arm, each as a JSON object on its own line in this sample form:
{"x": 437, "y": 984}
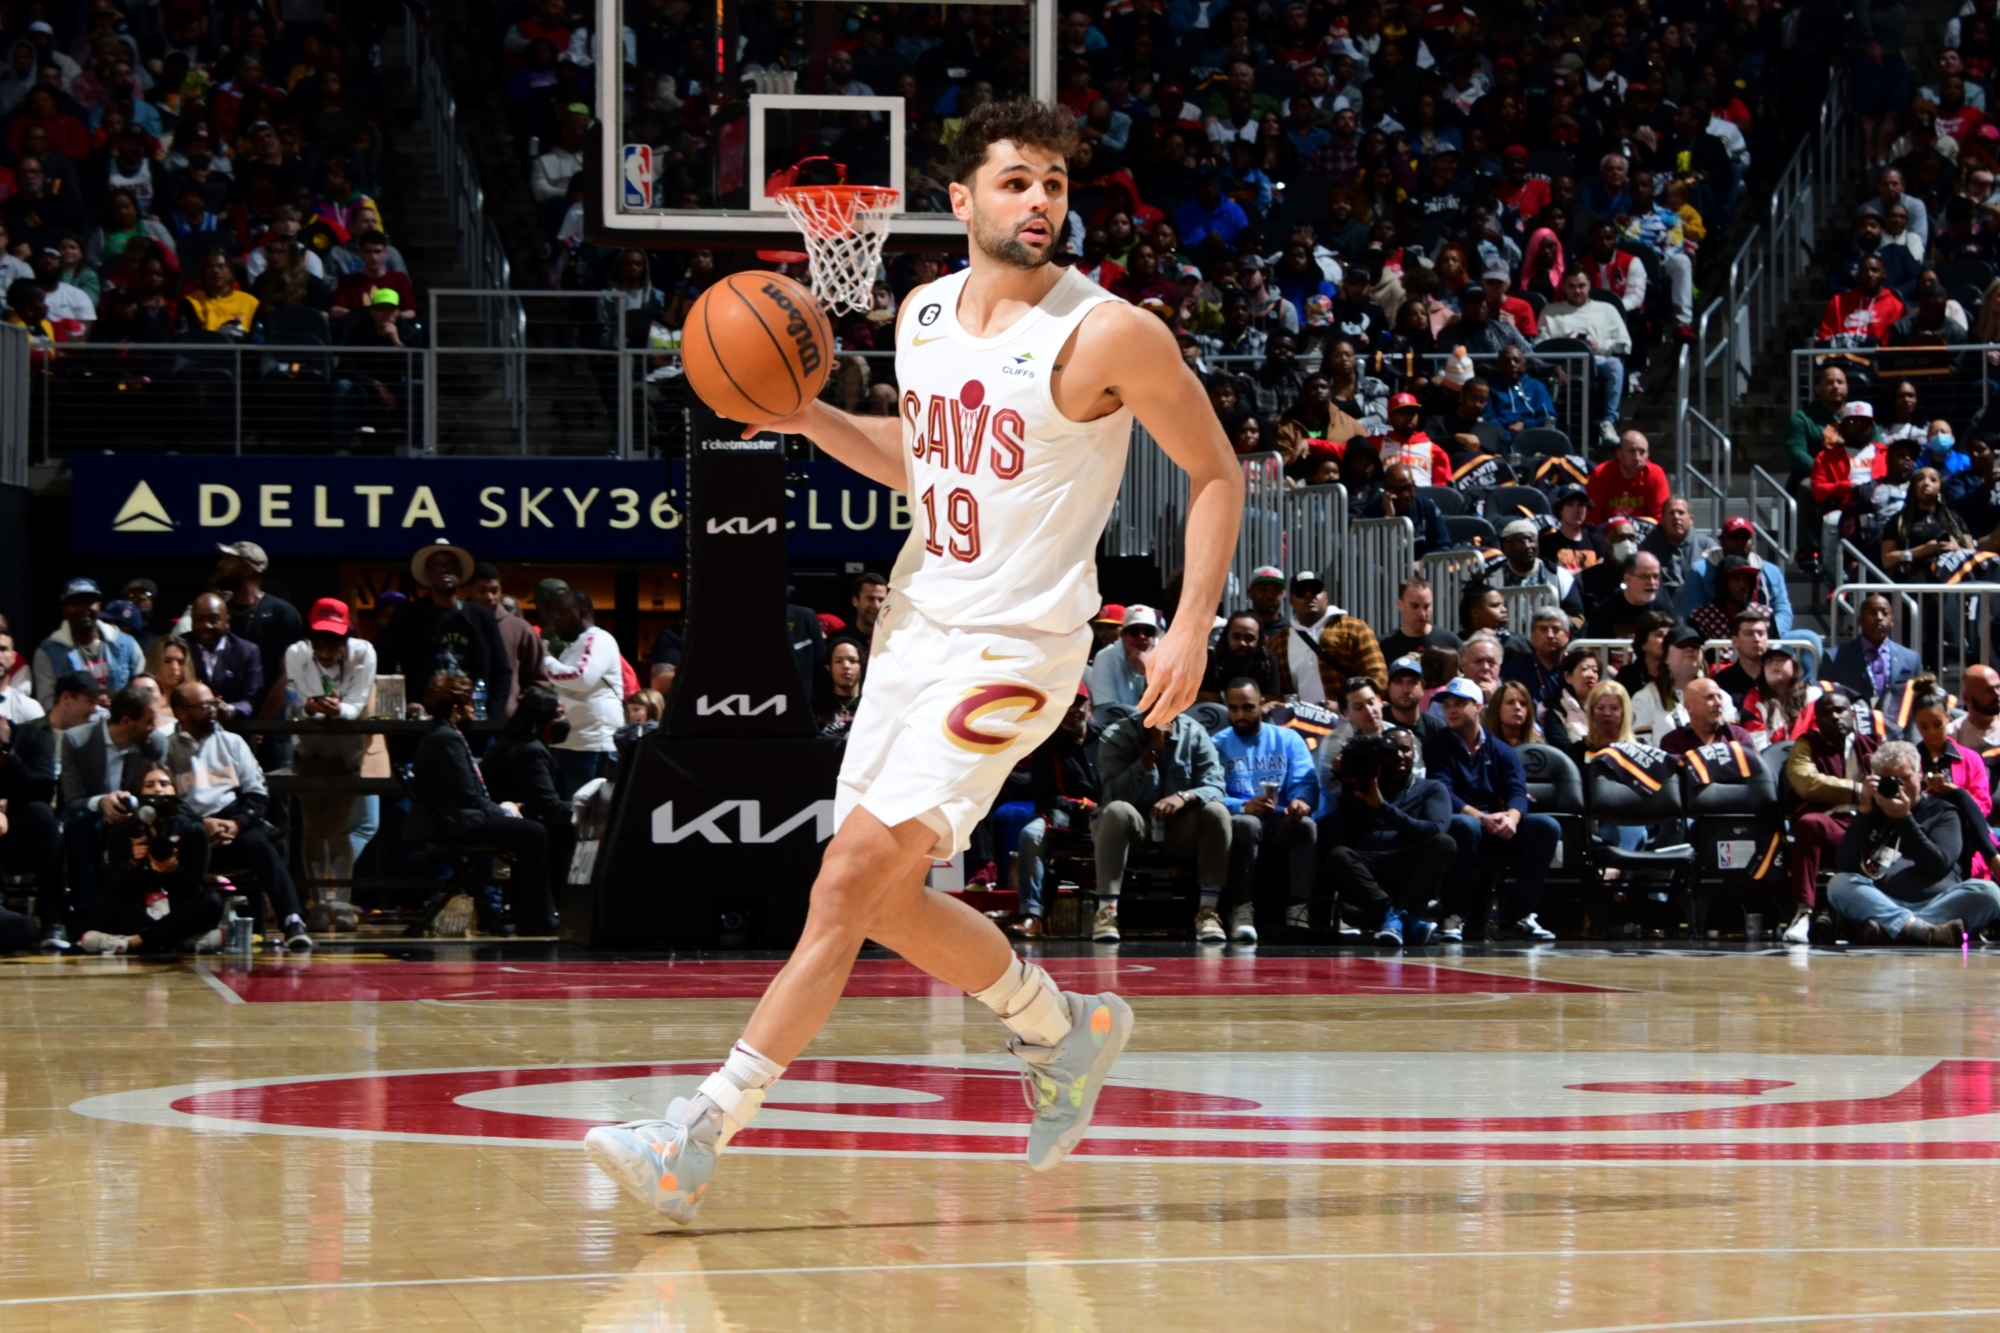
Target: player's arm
{"x": 872, "y": 446}
{"x": 1135, "y": 358}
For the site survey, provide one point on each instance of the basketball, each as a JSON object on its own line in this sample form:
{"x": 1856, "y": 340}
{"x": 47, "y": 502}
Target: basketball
{"x": 757, "y": 347}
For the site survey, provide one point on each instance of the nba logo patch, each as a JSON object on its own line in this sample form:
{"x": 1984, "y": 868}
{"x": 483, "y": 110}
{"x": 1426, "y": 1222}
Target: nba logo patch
{"x": 638, "y": 175}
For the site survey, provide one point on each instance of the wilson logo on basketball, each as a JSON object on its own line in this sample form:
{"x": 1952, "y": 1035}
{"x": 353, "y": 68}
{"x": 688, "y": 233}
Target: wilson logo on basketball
{"x": 798, "y": 327}
{"x": 961, "y": 724}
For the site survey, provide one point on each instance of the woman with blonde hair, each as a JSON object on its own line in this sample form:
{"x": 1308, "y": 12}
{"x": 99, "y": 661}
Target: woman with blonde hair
{"x": 167, "y": 662}
{"x": 1609, "y": 708}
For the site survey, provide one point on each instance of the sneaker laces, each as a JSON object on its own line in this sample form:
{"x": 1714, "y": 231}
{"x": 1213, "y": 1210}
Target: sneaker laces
{"x": 1035, "y": 1082}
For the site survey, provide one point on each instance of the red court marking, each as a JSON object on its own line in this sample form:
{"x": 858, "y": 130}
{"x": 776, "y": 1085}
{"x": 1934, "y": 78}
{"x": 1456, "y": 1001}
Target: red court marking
{"x": 1728, "y": 1087}
{"x": 874, "y": 978}
{"x": 425, "y": 1104}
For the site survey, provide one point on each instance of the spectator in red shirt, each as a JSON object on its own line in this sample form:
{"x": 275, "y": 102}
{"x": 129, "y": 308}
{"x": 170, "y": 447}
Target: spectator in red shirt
{"x": 1630, "y": 485}
{"x": 1860, "y": 458}
{"x": 1526, "y": 195}
{"x": 1503, "y": 305}
{"x": 1616, "y": 271}
{"x": 356, "y": 288}
{"x": 1407, "y": 444}
{"x": 1861, "y": 315}
{"x": 1143, "y": 281}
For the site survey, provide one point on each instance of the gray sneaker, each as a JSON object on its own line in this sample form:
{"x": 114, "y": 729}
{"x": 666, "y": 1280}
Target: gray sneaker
{"x": 664, "y": 1164}
{"x": 1061, "y": 1082}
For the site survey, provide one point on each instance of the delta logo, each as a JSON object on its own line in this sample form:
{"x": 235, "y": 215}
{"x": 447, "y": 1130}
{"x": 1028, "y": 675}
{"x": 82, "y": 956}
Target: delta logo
{"x": 1022, "y": 366}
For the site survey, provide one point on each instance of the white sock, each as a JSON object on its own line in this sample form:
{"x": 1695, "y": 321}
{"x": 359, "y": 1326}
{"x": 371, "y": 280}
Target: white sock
{"x": 1028, "y": 1002}
{"x": 734, "y": 1092}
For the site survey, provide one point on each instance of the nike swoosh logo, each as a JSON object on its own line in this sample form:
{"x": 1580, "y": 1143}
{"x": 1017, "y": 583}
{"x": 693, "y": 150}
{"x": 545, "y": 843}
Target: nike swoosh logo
{"x": 988, "y": 655}
{"x": 921, "y": 342}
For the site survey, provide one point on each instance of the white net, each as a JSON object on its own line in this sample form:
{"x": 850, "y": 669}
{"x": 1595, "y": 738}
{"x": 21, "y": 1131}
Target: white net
{"x": 844, "y": 227}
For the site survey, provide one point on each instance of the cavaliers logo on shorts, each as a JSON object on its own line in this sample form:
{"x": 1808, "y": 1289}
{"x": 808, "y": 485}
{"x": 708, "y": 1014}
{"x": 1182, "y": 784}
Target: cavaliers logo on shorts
{"x": 961, "y": 724}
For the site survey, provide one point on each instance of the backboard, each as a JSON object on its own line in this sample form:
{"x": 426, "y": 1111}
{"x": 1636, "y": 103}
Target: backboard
{"x": 719, "y": 95}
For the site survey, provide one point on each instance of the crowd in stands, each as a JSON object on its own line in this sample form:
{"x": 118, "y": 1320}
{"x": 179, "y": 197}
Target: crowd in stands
{"x": 195, "y": 173}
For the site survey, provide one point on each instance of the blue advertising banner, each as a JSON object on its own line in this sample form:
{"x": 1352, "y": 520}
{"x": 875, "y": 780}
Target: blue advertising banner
{"x": 500, "y": 508}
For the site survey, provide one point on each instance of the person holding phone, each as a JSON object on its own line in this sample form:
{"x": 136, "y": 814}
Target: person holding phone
{"x": 1899, "y": 863}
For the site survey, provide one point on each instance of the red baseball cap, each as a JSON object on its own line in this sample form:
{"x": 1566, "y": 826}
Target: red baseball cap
{"x": 1112, "y": 614}
{"x": 1404, "y": 400}
{"x": 329, "y": 616}
{"x": 1738, "y": 524}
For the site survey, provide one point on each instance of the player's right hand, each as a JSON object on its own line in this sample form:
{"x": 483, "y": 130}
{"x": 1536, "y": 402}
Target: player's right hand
{"x": 1174, "y": 671}
{"x": 795, "y": 424}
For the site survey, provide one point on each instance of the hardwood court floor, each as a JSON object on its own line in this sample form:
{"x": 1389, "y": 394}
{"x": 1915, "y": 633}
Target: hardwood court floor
{"x": 1567, "y": 1139}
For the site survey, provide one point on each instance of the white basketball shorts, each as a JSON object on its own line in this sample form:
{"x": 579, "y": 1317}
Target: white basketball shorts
{"x": 946, "y": 714}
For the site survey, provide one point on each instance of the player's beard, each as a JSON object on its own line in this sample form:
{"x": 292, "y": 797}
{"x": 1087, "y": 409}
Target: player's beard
{"x": 1004, "y": 244}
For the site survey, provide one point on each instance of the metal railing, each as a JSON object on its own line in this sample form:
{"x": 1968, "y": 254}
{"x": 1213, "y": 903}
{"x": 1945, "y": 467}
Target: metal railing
{"x": 1261, "y": 538}
{"x": 1835, "y": 569}
{"x": 1150, "y": 515}
{"x": 1316, "y": 536}
{"x": 1770, "y": 265}
{"x": 481, "y": 255}
{"x": 16, "y": 355}
{"x": 1774, "y": 513}
{"x": 1447, "y": 572}
{"x": 1524, "y": 601}
{"x": 1960, "y": 631}
{"x": 1704, "y": 456}
{"x": 1381, "y": 554}
{"x": 1944, "y": 376}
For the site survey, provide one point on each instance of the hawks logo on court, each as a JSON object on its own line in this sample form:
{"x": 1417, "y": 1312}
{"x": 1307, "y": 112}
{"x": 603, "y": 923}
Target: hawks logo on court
{"x": 1356, "y": 1107}
{"x": 961, "y": 724}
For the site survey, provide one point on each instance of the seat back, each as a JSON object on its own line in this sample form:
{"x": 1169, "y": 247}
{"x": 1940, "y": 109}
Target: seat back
{"x": 1615, "y": 802}
{"x": 1468, "y": 529}
{"x": 1449, "y": 502}
{"x": 1555, "y": 789}
{"x": 1736, "y": 828}
{"x": 295, "y": 326}
{"x": 1213, "y": 717}
{"x": 1504, "y": 504}
{"x": 1543, "y": 442}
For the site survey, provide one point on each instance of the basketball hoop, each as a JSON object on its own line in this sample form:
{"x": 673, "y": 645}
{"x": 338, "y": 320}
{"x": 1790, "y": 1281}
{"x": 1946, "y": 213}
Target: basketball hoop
{"x": 844, "y": 227}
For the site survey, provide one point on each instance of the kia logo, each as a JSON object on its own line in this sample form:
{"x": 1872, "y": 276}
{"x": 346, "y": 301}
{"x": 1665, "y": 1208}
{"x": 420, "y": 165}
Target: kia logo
{"x": 738, "y": 705}
{"x": 741, "y": 527}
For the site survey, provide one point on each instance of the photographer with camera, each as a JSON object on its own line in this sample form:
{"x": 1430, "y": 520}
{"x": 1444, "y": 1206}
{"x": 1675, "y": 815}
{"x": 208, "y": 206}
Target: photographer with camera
{"x": 1898, "y": 865}
{"x": 221, "y": 784}
{"x": 154, "y": 898}
{"x": 102, "y": 762}
{"x": 1388, "y": 828}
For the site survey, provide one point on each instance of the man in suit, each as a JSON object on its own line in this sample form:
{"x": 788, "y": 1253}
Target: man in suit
{"x": 231, "y": 666}
{"x": 453, "y": 806}
{"x": 1874, "y": 664}
{"x": 102, "y": 761}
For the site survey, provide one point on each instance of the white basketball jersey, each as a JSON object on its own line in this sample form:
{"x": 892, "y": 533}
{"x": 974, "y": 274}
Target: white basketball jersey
{"x": 1008, "y": 496}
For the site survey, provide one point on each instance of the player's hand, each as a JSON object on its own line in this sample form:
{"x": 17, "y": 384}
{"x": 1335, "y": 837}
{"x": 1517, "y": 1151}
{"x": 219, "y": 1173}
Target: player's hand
{"x": 799, "y": 423}
{"x": 1174, "y": 671}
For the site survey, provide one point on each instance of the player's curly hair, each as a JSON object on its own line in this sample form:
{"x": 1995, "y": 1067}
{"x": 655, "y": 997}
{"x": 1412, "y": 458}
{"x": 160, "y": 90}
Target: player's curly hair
{"x": 1022, "y": 121}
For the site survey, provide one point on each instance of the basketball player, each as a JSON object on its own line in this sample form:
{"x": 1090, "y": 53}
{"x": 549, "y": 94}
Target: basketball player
{"x": 1019, "y": 383}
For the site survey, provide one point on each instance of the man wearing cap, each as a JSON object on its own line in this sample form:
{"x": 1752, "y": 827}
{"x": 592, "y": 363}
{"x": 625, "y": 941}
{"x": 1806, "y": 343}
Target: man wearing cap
{"x": 1859, "y": 458}
{"x": 1404, "y": 704}
{"x": 1737, "y": 578}
{"x": 1406, "y": 442}
{"x": 1267, "y": 599}
{"x": 1874, "y": 503}
{"x": 1503, "y": 305}
{"x": 1570, "y": 543}
{"x": 1269, "y": 310}
{"x": 1296, "y": 645}
{"x": 1360, "y": 319}
{"x": 524, "y": 647}
{"x": 83, "y": 643}
{"x": 1490, "y": 822}
{"x": 1117, "y": 675}
{"x": 142, "y": 593}
{"x": 443, "y": 633}
{"x": 1630, "y": 484}
{"x": 1523, "y": 567}
{"x": 333, "y": 674}
{"x": 1739, "y": 538}
{"x": 265, "y": 619}
{"x": 1104, "y": 627}
{"x": 1601, "y": 327}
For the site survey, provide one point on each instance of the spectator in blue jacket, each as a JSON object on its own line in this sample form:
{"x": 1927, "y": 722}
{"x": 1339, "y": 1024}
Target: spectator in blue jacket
{"x": 1517, "y": 400}
{"x": 1388, "y": 828}
{"x": 84, "y": 643}
{"x": 1209, "y": 213}
{"x": 1491, "y": 823}
{"x": 1270, "y": 790}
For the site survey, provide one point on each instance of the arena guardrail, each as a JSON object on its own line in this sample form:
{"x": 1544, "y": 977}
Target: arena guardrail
{"x": 1382, "y": 552}
{"x": 1945, "y": 384}
{"x": 1315, "y": 527}
{"x": 16, "y": 351}
{"x": 482, "y": 257}
{"x": 1937, "y": 619}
